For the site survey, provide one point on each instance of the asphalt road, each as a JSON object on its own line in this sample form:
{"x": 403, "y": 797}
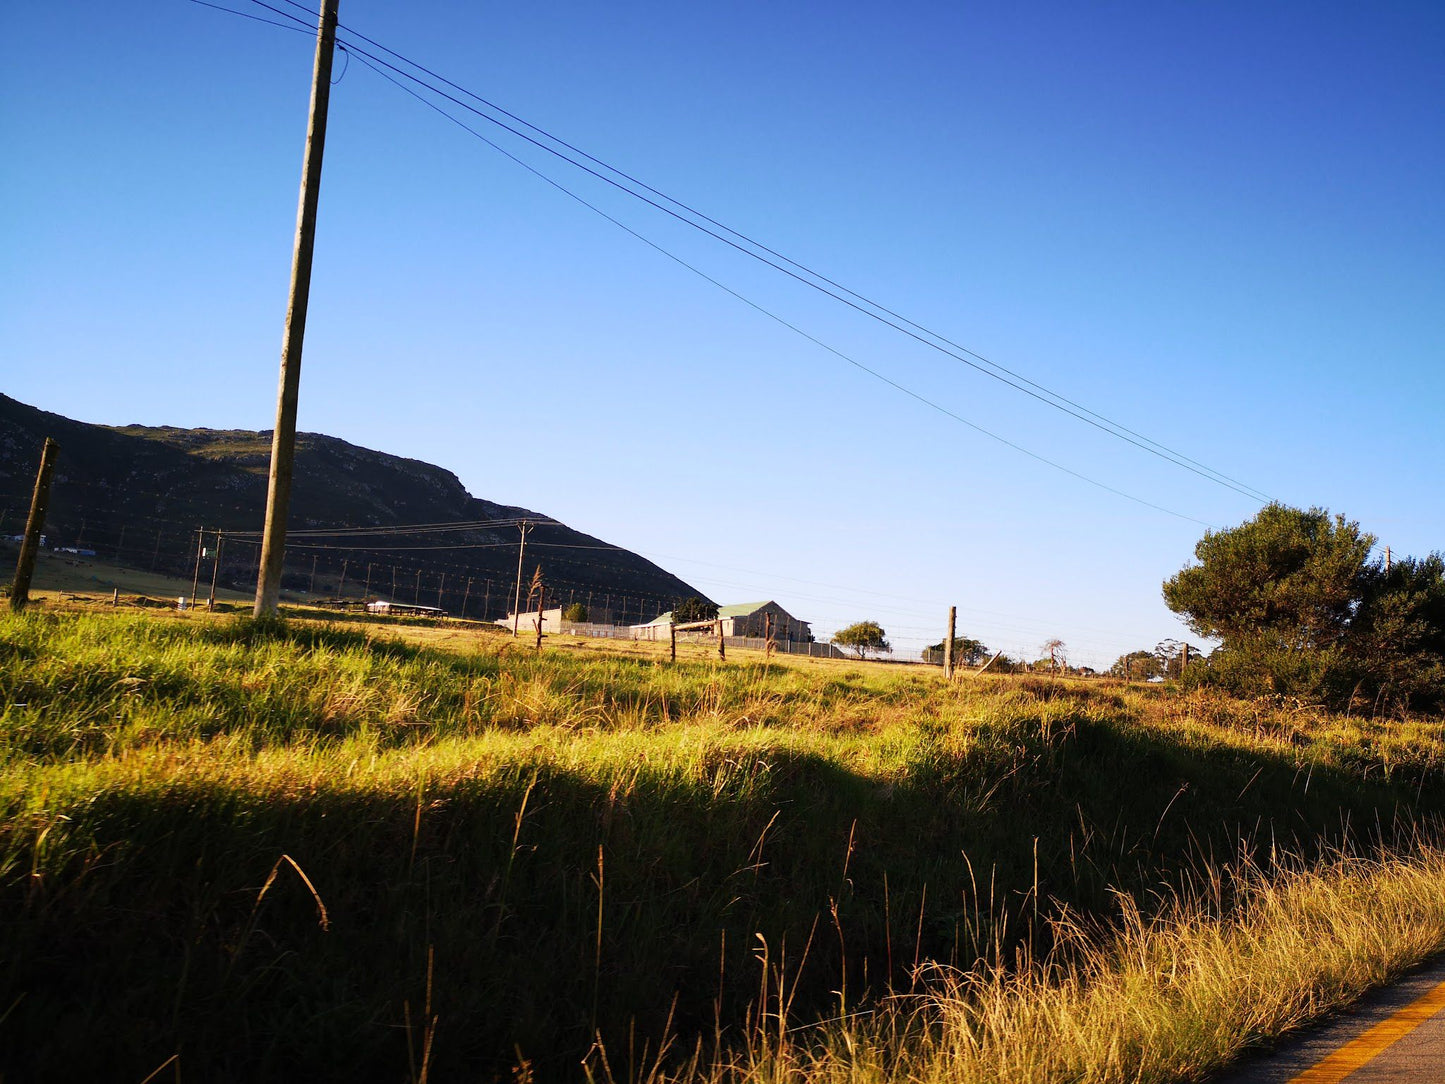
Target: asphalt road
{"x": 1395, "y": 1035}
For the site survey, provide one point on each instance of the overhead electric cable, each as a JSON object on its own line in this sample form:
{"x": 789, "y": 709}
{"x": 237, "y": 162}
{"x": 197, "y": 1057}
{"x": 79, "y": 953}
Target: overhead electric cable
{"x": 918, "y": 331}
{"x": 248, "y": 15}
{"x": 366, "y": 60}
{"x": 372, "y": 61}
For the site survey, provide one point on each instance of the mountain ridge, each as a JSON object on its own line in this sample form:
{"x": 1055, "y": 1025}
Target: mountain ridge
{"x": 162, "y": 483}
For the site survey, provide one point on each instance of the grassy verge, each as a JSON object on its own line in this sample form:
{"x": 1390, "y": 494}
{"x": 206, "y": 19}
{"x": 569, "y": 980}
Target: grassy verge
{"x": 1171, "y": 997}
{"x": 308, "y": 851}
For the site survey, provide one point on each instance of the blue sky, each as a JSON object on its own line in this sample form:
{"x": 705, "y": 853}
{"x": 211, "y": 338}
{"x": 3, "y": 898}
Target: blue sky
{"x": 1219, "y": 225}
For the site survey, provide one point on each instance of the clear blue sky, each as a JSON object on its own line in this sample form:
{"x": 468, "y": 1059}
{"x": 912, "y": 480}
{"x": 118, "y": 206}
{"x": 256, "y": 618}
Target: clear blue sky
{"x": 1219, "y": 224}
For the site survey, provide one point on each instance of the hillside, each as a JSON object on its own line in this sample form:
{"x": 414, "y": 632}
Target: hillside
{"x": 137, "y": 493}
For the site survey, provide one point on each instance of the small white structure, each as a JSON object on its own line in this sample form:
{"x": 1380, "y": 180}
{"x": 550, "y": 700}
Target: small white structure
{"x": 386, "y": 606}
{"x": 526, "y": 621}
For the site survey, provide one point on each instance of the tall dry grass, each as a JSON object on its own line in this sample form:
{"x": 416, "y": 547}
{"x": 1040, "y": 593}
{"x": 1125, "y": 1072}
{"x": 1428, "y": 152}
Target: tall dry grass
{"x": 517, "y": 853}
{"x": 1173, "y": 996}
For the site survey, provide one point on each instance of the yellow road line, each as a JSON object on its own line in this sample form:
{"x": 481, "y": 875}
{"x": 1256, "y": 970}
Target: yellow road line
{"x": 1365, "y": 1048}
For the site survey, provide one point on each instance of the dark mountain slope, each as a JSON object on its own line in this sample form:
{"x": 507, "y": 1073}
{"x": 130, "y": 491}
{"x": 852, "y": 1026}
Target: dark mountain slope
{"x": 137, "y": 493}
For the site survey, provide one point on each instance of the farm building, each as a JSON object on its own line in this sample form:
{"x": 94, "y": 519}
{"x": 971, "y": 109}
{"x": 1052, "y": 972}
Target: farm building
{"x": 526, "y": 621}
{"x": 741, "y": 619}
{"x": 751, "y": 619}
{"x": 386, "y": 606}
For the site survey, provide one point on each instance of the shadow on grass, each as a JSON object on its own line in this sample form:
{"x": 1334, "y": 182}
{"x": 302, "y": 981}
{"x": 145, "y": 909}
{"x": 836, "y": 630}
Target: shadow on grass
{"x": 551, "y": 904}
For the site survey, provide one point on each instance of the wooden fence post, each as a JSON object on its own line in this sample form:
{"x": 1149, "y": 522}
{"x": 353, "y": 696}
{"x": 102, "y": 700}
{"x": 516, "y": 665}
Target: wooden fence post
{"x": 672, "y": 636}
{"x": 30, "y": 544}
{"x": 722, "y": 650}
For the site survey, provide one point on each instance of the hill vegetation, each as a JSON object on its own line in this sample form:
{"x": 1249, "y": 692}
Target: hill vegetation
{"x": 137, "y": 493}
{"x": 307, "y": 851}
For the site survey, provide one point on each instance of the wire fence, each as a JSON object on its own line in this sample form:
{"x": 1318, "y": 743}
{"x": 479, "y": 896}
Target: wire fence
{"x": 469, "y": 570}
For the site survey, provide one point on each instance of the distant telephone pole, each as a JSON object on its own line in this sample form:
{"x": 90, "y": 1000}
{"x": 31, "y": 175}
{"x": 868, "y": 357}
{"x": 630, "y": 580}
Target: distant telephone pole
{"x": 283, "y": 440}
{"x": 200, "y": 552}
{"x": 523, "y": 526}
{"x": 30, "y": 543}
{"x": 948, "y": 643}
{"x": 215, "y": 572}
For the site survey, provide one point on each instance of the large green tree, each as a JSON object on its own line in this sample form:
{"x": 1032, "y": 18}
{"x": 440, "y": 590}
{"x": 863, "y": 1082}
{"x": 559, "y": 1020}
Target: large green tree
{"x": 1287, "y": 578}
{"x": 966, "y": 651}
{"x": 863, "y": 637}
{"x": 1397, "y": 636}
{"x": 1300, "y": 607}
{"x": 1137, "y": 666}
{"x": 694, "y": 609}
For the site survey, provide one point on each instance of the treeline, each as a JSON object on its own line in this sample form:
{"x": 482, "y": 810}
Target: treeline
{"x": 1301, "y": 605}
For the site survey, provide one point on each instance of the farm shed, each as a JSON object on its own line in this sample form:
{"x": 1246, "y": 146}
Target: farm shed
{"x": 747, "y": 619}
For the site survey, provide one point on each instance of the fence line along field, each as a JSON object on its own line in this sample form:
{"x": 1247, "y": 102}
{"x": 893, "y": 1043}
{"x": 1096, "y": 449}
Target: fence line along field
{"x": 320, "y": 850}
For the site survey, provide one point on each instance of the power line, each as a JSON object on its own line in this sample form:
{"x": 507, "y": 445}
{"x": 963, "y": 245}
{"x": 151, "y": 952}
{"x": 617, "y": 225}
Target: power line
{"x": 248, "y": 15}
{"x": 372, "y": 61}
{"x": 919, "y": 332}
{"x": 366, "y": 60}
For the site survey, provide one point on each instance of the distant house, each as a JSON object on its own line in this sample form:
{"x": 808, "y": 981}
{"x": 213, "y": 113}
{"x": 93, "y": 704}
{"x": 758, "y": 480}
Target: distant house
{"x": 741, "y": 619}
{"x": 751, "y": 619}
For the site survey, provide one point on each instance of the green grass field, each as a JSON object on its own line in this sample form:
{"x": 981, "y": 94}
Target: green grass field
{"x": 332, "y": 851}
{"x": 59, "y": 575}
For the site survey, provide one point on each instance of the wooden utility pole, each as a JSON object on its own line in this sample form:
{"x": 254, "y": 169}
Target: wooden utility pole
{"x": 311, "y": 583}
{"x": 487, "y": 600}
{"x": 283, "y": 440}
{"x": 416, "y": 594}
{"x": 948, "y": 643}
{"x": 767, "y": 636}
{"x": 1387, "y": 560}
{"x": 341, "y": 588}
{"x": 30, "y": 544}
{"x": 215, "y": 572}
{"x": 522, "y": 526}
{"x": 156, "y": 556}
{"x": 366, "y": 594}
{"x": 441, "y": 586}
{"x": 200, "y": 548}
{"x": 465, "y": 596}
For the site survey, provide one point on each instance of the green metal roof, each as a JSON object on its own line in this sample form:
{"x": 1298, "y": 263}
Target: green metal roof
{"x": 738, "y": 609}
{"x": 742, "y": 609}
